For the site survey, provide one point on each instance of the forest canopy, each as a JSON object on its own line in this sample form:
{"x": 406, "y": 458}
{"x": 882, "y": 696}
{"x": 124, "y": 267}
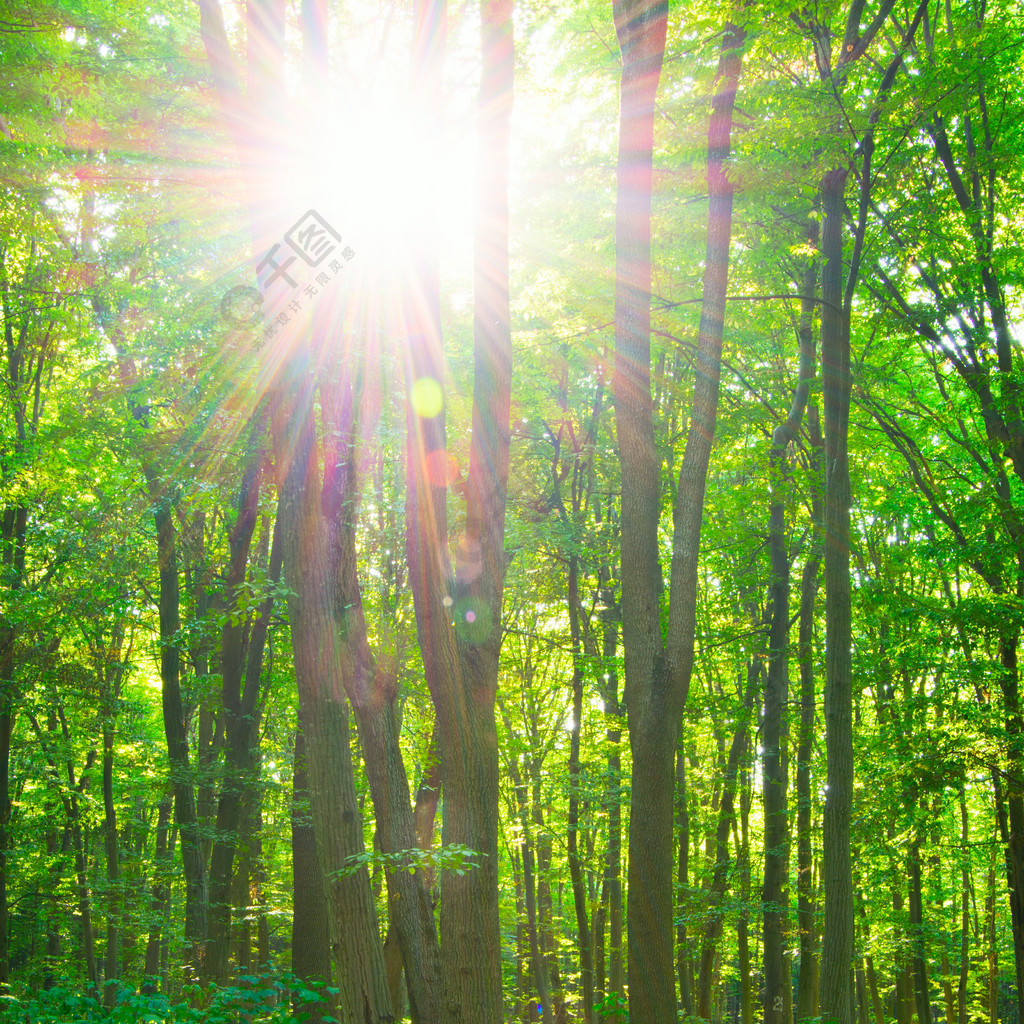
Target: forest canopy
{"x": 512, "y": 512}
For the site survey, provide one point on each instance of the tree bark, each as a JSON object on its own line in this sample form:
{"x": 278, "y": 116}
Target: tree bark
{"x": 837, "y": 997}
{"x": 458, "y": 615}
{"x": 775, "y": 891}
{"x": 243, "y": 644}
{"x": 319, "y": 654}
{"x": 185, "y": 814}
{"x": 657, "y": 676}
{"x": 112, "y": 963}
{"x": 723, "y": 862}
{"x": 160, "y": 893}
{"x": 807, "y": 980}
{"x": 579, "y": 894}
{"x": 311, "y": 944}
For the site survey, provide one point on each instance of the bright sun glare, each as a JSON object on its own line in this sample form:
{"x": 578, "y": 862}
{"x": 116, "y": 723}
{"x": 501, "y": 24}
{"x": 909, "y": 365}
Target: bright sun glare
{"x": 375, "y": 173}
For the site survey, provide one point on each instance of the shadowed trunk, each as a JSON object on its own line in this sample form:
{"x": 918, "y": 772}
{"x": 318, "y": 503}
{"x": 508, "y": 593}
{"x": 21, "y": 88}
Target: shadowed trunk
{"x": 658, "y": 675}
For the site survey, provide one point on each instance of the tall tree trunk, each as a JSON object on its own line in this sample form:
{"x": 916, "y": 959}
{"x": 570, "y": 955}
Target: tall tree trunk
{"x": 775, "y": 891}
{"x": 807, "y": 980}
{"x": 919, "y": 963}
{"x": 641, "y": 29}
{"x": 6, "y": 805}
{"x": 1012, "y": 825}
{"x": 241, "y": 668}
{"x": 311, "y": 944}
{"x": 458, "y": 615}
{"x": 837, "y": 292}
{"x": 613, "y": 711}
{"x": 966, "y": 894}
{"x": 723, "y": 862}
{"x": 112, "y": 965}
{"x": 837, "y": 997}
{"x": 185, "y": 814}
{"x": 658, "y": 676}
{"x": 579, "y": 894}
{"x": 683, "y": 958}
{"x": 742, "y": 840}
{"x": 160, "y": 893}
{"x": 318, "y": 653}
{"x": 545, "y": 906}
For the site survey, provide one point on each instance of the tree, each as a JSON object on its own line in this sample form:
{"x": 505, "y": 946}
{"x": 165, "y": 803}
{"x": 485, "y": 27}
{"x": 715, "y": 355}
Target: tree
{"x": 658, "y": 669}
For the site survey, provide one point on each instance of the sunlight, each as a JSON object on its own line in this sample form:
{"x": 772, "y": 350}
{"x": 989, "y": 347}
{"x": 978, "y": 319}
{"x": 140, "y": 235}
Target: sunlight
{"x": 379, "y": 175}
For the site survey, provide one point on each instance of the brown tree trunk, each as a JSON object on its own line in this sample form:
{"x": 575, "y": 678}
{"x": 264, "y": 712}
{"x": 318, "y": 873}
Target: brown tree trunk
{"x": 112, "y": 964}
{"x": 318, "y": 653}
{"x": 579, "y": 894}
{"x": 641, "y": 32}
{"x": 1012, "y": 825}
{"x": 159, "y": 895}
{"x": 683, "y": 958}
{"x": 241, "y": 668}
{"x": 613, "y": 710}
{"x": 311, "y": 944}
{"x": 837, "y": 997}
{"x": 775, "y": 891}
{"x": 458, "y": 616}
{"x": 657, "y": 677}
{"x": 807, "y": 979}
{"x": 723, "y": 862}
{"x": 742, "y": 841}
{"x": 185, "y": 814}
{"x": 919, "y": 963}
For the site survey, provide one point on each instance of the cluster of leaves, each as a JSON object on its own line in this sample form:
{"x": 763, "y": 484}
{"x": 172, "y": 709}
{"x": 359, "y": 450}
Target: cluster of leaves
{"x": 453, "y": 857}
{"x": 255, "y": 999}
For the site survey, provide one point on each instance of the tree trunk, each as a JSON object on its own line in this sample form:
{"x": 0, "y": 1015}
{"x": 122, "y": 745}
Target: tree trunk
{"x": 311, "y": 944}
{"x": 458, "y": 616}
{"x": 837, "y": 997}
{"x": 613, "y": 711}
{"x": 160, "y": 893}
{"x": 6, "y": 806}
{"x": 723, "y": 862}
{"x": 575, "y": 864}
{"x": 746, "y": 1015}
{"x": 657, "y": 678}
{"x": 919, "y": 962}
{"x": 112, "y": 966}
{"x": 318, "y": 654}
{"x": 775, "y": 891}
{"x": 185, "y": 814}
{"x": 241, "y": 669}
{"x": 807, "y": 980}
{"x": 683, "y": 958}
{"x": 1013, "y": 827}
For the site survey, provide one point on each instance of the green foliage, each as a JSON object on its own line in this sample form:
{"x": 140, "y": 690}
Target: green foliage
{"x": 262, "y": 999}
{"x": 454, "y": 857}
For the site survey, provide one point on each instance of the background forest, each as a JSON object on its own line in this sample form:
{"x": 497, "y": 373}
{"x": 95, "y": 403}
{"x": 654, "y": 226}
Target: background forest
{"x": 512, "y": 514}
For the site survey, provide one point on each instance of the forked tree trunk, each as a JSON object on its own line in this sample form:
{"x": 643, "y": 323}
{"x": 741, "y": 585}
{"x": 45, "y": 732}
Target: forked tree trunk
{"x": 658, "y": 675}
{"x": 319, "y": 654}
{"x": 458, "y": 615}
